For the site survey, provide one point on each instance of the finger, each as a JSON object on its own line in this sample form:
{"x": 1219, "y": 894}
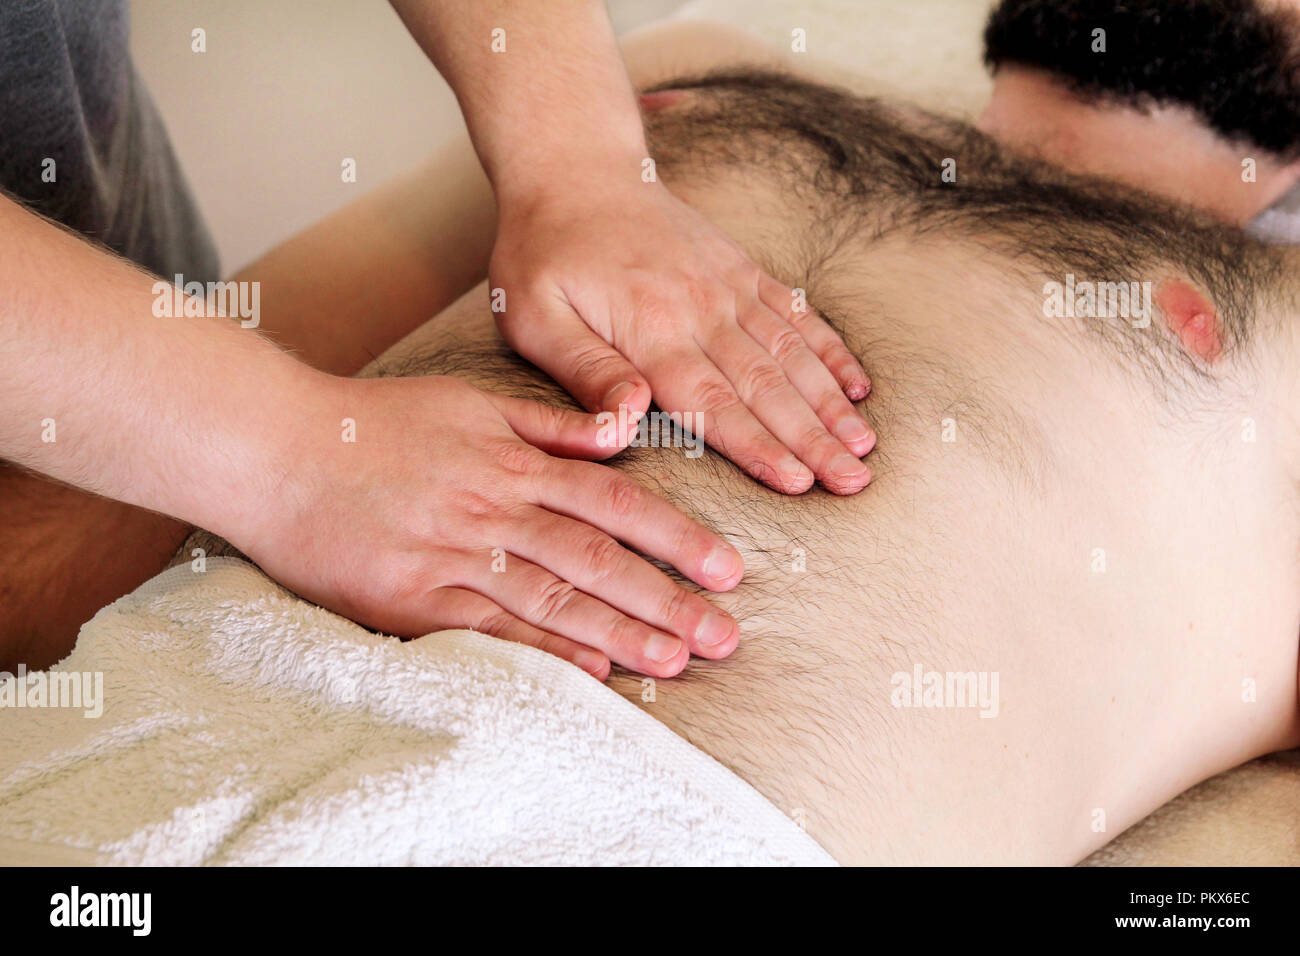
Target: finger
{"x": 600, "y": 566}
{"x": 617, "y": 505}
{"x": 563, "y": 432}
{"x": 546, "y": 601}
{"x": 809, "y": 376}
{"x": 765, "y": 390}
{"x": 729, "y": 426}
{"x": 821, "y": 338}
{"x": 458, "y": 607}
{"x": 561, "y": 344}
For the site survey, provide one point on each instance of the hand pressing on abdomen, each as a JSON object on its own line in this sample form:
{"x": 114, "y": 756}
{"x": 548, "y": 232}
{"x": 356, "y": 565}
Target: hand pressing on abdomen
{"x": 624, "y": 294}
{"x": 413, "y": 505}
{"x": 611, "y": 284}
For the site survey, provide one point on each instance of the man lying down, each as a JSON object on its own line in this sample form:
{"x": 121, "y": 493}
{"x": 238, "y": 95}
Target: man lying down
{"x": 1070, "y": 591}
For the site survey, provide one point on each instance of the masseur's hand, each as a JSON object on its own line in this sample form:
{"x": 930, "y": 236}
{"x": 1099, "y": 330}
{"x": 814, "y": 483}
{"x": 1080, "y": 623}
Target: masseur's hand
{"x": 612, "y": 285}
{"x": 442, "y": 513}
{"x": 622, "y": 292}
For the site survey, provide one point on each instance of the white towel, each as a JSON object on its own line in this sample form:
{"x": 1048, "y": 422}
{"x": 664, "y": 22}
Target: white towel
{"x": 243, "y": 725}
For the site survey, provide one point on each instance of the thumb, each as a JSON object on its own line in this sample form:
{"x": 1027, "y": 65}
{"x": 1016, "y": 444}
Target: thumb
{"x": 569, "y": 434}
{"x": 559, "y": 342}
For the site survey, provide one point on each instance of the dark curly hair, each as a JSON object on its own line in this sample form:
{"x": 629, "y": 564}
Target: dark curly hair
{"x": 1235, "y": 63}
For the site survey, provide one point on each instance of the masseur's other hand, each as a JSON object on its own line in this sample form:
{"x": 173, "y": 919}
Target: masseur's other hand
{"x": 623, "y": 290}
{"x": 442, "y": 514}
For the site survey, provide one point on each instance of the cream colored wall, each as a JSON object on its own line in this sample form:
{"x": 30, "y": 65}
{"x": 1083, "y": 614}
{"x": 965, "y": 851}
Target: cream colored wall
{"x": 285, "y": 91}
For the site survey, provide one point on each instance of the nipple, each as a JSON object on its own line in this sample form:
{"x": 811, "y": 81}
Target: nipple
{"x": 1192, "y": 318}
{"x": 662, "y": 99}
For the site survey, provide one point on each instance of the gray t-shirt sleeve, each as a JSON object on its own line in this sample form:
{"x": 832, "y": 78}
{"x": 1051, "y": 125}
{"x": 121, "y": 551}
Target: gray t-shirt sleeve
{"x": 82, "y": 142}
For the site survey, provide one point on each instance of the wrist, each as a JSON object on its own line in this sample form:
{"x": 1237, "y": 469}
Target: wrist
{"x": 576, "y": 189}
{"x": 252, "y": 475}
{"x": 543, "y": 179}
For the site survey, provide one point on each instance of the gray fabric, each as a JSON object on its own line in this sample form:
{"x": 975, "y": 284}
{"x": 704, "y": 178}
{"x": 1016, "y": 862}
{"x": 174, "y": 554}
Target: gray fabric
{"x": 68, "y": 92}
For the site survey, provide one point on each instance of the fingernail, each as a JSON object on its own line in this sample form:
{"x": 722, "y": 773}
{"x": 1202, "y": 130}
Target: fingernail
{"x": 714, "y": 629}
{"x": 722, "y": 564}
{"x": 851, "y": 429}
{"x": 846, "y": 466}
{"x": 857, "y": 391}
{"x": 618, "y": 395}
{"x": 661, "y": 648}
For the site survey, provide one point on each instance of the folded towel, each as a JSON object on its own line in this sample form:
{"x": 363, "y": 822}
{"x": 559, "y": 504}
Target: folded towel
{"x": 241, "y": 724}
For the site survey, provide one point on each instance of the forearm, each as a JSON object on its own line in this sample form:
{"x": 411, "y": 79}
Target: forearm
{"x": 555, "y": 103}
{"x": 176, "y": 414}
{"x": 348, "y": 287}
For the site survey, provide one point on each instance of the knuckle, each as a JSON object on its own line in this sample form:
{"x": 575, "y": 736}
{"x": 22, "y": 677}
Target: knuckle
{"x": 493, "y": 621}
{"x": 701, "y": 296}
{"x": 689, "y": 540}
{"x": 763, "y": 381}
{"x": 473, "y": 505}
{"x": 502, "y": 524}
{"x": 552, "y": 600}
{"x": 797, "y": 317}
{"x": 651, "y": 307}
{"x": 676, "y": 604}
{"x": 836, "y": 355}
{"x": 591, "y": 362}
{"x": 623, "y": 497}
{"x": 601, "y": 555}
{"x": 517, "y": 458}
{"x": 787, "y": 344}
{"x": 629, "y": 634}
{"x": 715, "y": 395}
